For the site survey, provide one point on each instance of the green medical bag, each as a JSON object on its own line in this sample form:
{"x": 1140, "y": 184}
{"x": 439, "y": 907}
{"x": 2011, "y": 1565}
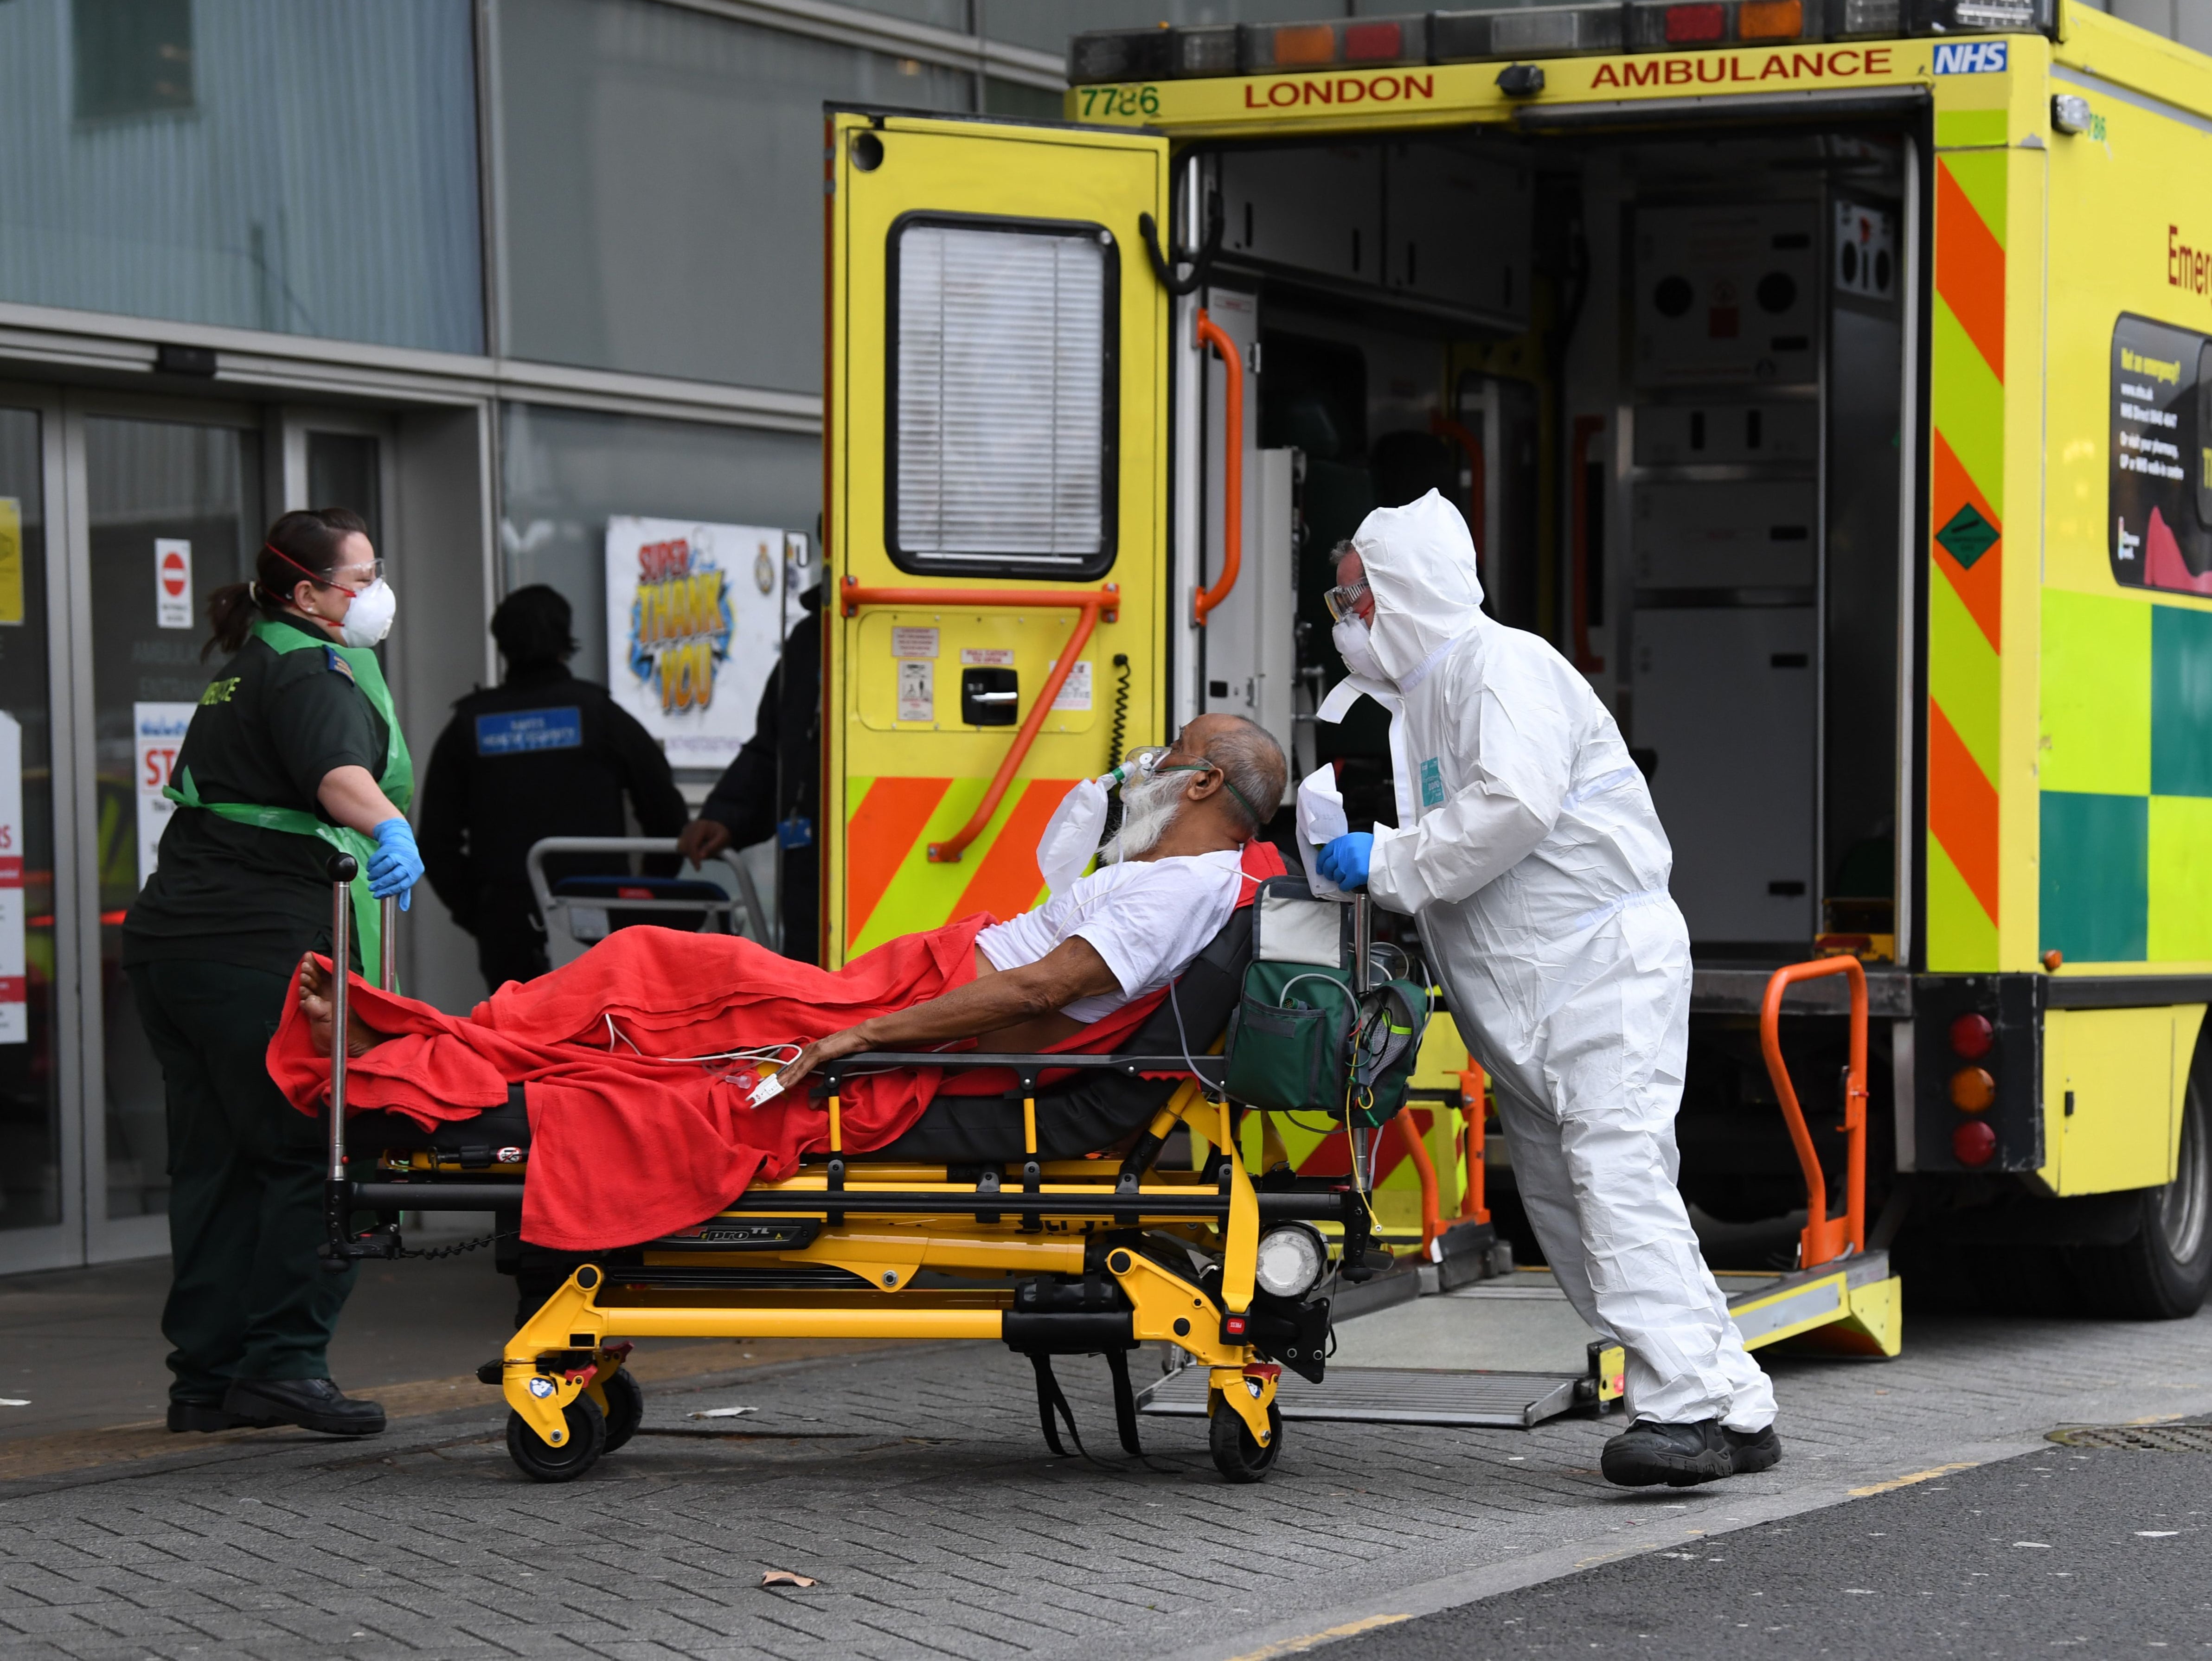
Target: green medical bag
{"x": 1300, "y": 1040}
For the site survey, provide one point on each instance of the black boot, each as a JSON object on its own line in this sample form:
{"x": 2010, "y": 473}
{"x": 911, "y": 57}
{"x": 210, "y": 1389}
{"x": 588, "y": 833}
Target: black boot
{"x": 205, "y": 1417}
{"x": 310, "y": 1403}
{"x": 1752, "y": 1450}
{"x": 1680, "y": 1456}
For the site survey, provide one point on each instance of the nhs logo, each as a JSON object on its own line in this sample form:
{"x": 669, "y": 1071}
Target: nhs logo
{"x": 1970, "y": 57}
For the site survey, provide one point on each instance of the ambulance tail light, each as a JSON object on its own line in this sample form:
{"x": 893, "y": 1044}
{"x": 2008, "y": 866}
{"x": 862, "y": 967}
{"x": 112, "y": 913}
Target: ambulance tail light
{"x": 1974, "y": 1143}
{"x": 1351, "y": 43}
{"x": 1972, "y": 1090}
{"x": 1535, "y": 32}
{"x": 1972, "y": 1037}
{"x": 1872, "y": 17}
{"x": 1107, "y": 55}
{"x": 1981, "y": 16}
{"x": 1675, "y": 24}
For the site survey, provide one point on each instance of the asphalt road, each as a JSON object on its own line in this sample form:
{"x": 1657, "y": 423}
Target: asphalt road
{"x": 2103, "y": 1551}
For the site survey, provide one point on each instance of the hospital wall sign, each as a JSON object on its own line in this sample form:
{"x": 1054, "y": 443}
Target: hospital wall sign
{"x": 694, "y": 624}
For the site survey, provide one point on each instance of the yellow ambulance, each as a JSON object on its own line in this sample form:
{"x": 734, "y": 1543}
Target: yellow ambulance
{"x": 1831, "y": 380}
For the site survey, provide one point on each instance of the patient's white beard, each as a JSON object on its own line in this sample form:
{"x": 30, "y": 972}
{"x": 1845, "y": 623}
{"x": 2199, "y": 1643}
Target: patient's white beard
{"x": 1148, "y": 807}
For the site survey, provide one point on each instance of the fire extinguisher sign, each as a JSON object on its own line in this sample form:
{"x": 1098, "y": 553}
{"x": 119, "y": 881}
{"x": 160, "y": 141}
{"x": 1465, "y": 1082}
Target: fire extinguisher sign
{"x": 173, "y": 582}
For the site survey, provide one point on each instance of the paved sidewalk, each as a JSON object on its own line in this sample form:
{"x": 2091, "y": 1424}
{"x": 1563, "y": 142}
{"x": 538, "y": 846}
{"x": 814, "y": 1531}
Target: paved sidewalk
{"x": 912, "y": 1484}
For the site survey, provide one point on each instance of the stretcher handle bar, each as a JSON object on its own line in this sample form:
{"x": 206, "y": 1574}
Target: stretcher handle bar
{"x": 872, "y": 1061}
{"x": 1089, "y": 604}
{"x": 387, "y": 947}
{"x": 1586, "y": 428}
{"x": 1332, "y": 1206}
{"x": 341, "y": 870}
{"x": 1824, "y": 1238}
{"x": 535, "y": 862}
{"x": 1210, "y": 333}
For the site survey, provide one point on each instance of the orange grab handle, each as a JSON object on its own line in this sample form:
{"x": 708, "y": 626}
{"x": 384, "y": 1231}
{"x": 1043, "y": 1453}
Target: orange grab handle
{"x": 1091, "y": 604}
{"x": 1824, "y": 1238}
{"x": 1210, "y": 333}
{"x": 1475, "y": 1199}
{"x": 1425, "y": 1168}
{"x": 1586, "y": 428}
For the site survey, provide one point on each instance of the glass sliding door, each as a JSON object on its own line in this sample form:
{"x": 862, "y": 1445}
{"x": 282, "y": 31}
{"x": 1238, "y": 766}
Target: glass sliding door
{"x": 172, "y": 511}
{"x": 37, "y": 1149}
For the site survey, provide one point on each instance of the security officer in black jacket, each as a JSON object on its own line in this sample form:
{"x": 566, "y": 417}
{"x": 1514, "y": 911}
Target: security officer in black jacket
{"x": 773, "y": 787}
{"x": 542, "y": 754}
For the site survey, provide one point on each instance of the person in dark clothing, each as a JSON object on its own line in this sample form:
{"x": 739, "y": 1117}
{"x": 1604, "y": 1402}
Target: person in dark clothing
{"x": 541, "y": 754}
{"x": 293, "y": 751}
{"x": 773, "y": 787}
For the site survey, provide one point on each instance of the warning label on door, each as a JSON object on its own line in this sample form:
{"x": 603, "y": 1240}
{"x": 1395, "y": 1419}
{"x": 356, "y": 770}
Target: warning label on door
{"x": 1075, "y": 691}
{"x": 917, "y": 692}
{"x": 172, "y": 582}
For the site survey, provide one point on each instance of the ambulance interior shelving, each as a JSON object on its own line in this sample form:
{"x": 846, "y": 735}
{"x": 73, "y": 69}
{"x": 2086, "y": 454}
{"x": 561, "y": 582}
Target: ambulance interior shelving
{"x": 1664, "y": 377}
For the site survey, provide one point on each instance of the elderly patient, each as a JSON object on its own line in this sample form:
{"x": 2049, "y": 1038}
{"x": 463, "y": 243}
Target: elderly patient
{"x": 1172, "y": 879}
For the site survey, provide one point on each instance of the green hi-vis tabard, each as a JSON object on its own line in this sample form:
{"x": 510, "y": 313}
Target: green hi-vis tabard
{"x": 1300, "y": 1040}
{"x": 358, "y": 665}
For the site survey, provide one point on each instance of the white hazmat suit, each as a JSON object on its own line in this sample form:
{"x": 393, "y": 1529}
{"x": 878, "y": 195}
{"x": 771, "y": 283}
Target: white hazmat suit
{"x": 1529, "y": 852}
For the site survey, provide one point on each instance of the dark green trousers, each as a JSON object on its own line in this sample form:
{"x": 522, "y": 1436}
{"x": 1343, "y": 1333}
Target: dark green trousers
{"x": 250, "y": 1298}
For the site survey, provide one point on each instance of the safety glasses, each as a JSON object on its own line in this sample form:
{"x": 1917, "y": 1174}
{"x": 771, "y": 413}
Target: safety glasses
{"x": 361, "y": 574}
{"x": 1343, "y": 601}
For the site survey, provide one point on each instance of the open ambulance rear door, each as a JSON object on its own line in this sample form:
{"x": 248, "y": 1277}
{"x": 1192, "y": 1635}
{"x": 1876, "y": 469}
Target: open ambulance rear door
{"x": 995, "y": 479}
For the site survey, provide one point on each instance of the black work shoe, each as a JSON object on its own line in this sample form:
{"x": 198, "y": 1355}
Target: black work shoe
{"x": 1752, "y": 1450}
{"x": 1680, "y": 1456}
{"x": 207, "y": 1417}
{"x": 310, "y": 1403}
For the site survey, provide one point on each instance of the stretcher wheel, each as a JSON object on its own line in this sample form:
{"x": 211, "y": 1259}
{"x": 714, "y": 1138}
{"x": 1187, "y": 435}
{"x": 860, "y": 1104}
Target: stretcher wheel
{"x": 625, "y": 1407}
{"x": 542, "y": 1463}
{"x": 1236, "y": 1455}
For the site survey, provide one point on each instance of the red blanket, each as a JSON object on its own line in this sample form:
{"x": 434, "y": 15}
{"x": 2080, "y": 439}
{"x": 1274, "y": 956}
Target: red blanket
{"x": 632, "y": 1136}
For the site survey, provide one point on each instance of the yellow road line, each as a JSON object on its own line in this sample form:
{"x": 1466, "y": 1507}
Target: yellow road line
{"x": 1313, "y": 1640}
{"x": 1907, "y": 1482}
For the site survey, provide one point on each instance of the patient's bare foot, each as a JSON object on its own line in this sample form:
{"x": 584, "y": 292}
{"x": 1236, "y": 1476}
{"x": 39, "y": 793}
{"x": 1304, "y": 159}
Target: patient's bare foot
{"x": 315, "y": 1004}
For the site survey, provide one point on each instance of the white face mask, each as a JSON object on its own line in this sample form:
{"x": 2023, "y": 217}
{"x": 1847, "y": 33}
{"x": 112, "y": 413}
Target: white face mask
{"x": 368, "y": 618}
{"x": 1357, "y": 647}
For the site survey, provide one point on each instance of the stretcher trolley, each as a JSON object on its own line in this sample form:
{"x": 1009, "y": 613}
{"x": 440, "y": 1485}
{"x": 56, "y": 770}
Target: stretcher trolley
{"x": 1043, "y": 1218}
{"x": 582, "y": 909}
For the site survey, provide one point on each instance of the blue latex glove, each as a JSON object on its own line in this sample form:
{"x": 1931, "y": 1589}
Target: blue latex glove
{"x": 397, "y": 865}
{"x": 1344, "y": 861}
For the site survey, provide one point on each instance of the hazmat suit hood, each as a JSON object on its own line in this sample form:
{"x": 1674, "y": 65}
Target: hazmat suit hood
{"x": 1420, "y": 565}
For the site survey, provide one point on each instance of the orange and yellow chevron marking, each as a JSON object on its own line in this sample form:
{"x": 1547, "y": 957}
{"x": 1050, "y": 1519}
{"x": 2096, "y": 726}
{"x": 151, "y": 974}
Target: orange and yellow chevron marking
{"x": 885, "y": 824}
{"x": 1966, "y": 558}
{"x": 1969, "y": 265}
{"x": 1962, "y": 811}
{"x": 1007, "y": 880}
{"x": 892, "y": 888}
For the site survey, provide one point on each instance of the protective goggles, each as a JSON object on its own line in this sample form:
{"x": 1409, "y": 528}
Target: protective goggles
{"x": 373, "y": 567}
{"x": 1343, "y": 601}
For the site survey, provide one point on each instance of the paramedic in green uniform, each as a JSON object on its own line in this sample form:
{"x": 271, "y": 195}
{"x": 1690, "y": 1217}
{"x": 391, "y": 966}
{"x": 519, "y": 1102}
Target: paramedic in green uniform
{"x": 293, "y": 753}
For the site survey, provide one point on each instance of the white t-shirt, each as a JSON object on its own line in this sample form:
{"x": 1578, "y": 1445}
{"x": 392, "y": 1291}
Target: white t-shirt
{"x": 1147, "y": 917}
